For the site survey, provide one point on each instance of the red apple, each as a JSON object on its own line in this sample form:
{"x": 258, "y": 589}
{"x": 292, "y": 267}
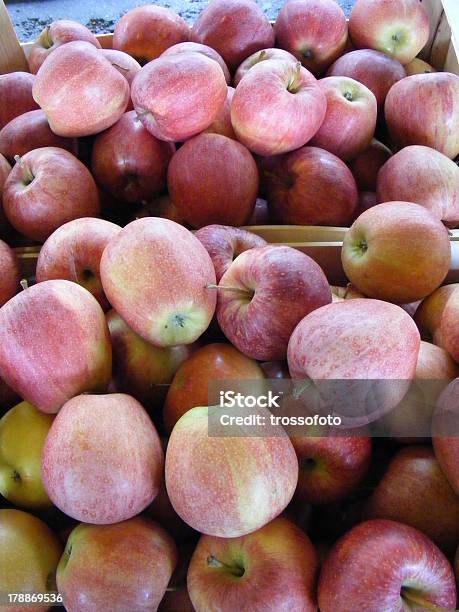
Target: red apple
{"x": 277, "y": 370}
{"x": 5, "y": 226}
{"x": 176, "y": 600}
{"x": 260, "y": 214}
{"x": 234, "y": 28}
{"x": 8, "y": 397}
{"x": 186, "y": 47}
{"x": 177, "y": 96}
{"x": 429, "y": 314}
{"x": 367, "y": 164}
{"x": 162, "y": 207}
{"x": 418, "y": 66}
{"x": 384, "y": 253}
{"x": 277, "y": 107}
{"x": 227, "y": 186}
{"x": 224, "y": 572}
{"x": 367, "y": 199}
{"x": 261, "y": 56}
{"x": 46, "y": 188}
{"x": 340, "y": 294}
{"x": 315, "y": 31}
{"x": 155, "y": 274}
{"x": 311, "y": 187}
{"x": 10, "y": 274}
{"x": 445, "y": 437}
{"x": 384, "y": 565}
{"x": 54, "y": 344}
{"x": 423, "y": 109}
{"x": 15, "y": 95}
{"x": 449, "y": 325}
{"x": 80, "y": 91}
{"x": 222, "y": 122}
{"x": 350, "y": 120}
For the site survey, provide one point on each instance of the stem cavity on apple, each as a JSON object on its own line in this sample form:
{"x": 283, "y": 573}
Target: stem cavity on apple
{"x": 46, "y": 40}
{"x": 294, "y": 83}
{"x": 243, "y": 292}
{"x": 27, "y": 174}
{"x": 235, "y": 570}
{"x": 412, "y": 596}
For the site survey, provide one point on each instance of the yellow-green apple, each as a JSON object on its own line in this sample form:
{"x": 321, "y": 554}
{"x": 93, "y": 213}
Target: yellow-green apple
{"x": 423, "y": 109}
{"x": 80, "y": 102}
{"x": 189, "y": 46}
{"x": 29, "y": 554}
{"x": 429, "y": 314}
{"x": 73, "y": 253}
{"x": 172, "y": 117}
{"x": 261, "y": 56}
{"x": 228, "y": 486}
{"x": 399, "y": 28}
{"x": 156, "y": 275}
{"x": 53, "y": 36}
{"x": 277, "y": 107}
{"x": 345, "y": 293}
{"x": 415, "y": 491}
{"x": 367, "y": 199}
{"x": 311, "y": 187}
{"x": 224, "y": 572}
{"x": 367, "y": 164}
{"x": 222, "y": 122}
{"x": 315, "y": 31}
{"x": 23, "y": 430}
{"x": 102, "y": 461}
{"x": 213, "y": 362}
{"x": 46, "y": 188}
{"x": 224, "y": 243}
{"x": 387, "y": 243}
{"x": 234, "y": 28}
{"x": 10, "y": 274}
{"x": 15, "y": 95}
{"x": 147, "y": 31}
{"x": 386, "y": 565}
{"x": 54, "y": 344}
{"x": 264, "y": 294}
{"x": 350, "y": 120}
{"x": 119, "y": 567}
{"x": 418, "y": 66}
{"x": 374, "y": 69}
{"x": 403, "y": 177}
{"x": 228, "y": 181}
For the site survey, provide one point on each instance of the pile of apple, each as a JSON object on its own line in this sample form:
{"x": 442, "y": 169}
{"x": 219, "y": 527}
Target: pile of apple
{"x": 113, "y": 492}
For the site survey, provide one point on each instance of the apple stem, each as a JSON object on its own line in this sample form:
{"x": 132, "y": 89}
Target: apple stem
{"x": 262, "y": 55}
{"x": 295, "y": 81}
{"x": 27, "y": 176}
{"x": 24, "y": 284}
{"x": 234, "y": 569}
{"x": 226, "y": 288}
{"x": 120, "y": 67}
{"x": 419, "y": 601}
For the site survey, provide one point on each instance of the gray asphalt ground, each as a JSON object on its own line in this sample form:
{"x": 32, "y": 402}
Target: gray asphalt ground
{"x": 30, "y": 17}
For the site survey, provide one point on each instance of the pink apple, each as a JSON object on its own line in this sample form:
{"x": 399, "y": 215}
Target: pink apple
{"x": 5, "y": 169}
{"x": 125, "y": 64}
{"x": 367, "y": 164}
{"x": 261, "y": 56}
{"x": 187, "y": 47}
{"x": 222, "y": 122}
{"x": 429, "y": 315}
{"x": 15, "y": 95}
{"x": 9, "y": 273}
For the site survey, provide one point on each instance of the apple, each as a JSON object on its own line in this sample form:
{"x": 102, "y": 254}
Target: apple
{"x": 213, "y": 362}
{"x": 15, "y": 96}
{"x": 423, "y": 109}
{"x": 53, "y": 36}
{"x": 404, "y": 177}
{"x": 161, "y": 511}
{"x": 374, "y": 69}
{"x": 125, "y": 64}
{"x": 350, "y": 120}
{"x": 234, "y": 28}
{"x": 261, "y": 56}
{"x": 275, "y": 370}
{"x": 46, "y": 188}
{"x": 147, "y": 31}
{"x": 260, "y": 214}
{"x": 222, "y": 122}
{"x": 429, "y": 314}
{"x": 31, "y": 131}
{"x": 224, "y": 572}
{"x": 73, "y": 253}
{"x": 77, "y": 101}
{"x": 177, "y": 96}
{"x": 118, "y": 567}
{"x": 228, "y": 181}
{"x": 186, "y": 47}
{"x": 176, "y": 600}
{"x": 340, "y": 294}
{"x": 314, "y": 31}
{"x": 367, "y": 164}
{"x": 277, "y": 107}
{"x": 23, "y": 430}
{"x": 311, "y": 187}
{"x": 161, "y": 207}
{"x": 367, "y": 199}
{"x": 418, "y": 66}
{"x": 5, "y": 226}
{"x": 224, "y": 243}
{"x": 155, "y": 274}
{"x": 201, "y": 469}
{"x": 54, "y": 344}
{"x": 10, "y": 274}
{"x": 385, "y": 565}
{"x": 387, "y": 244}
{"x": 399, "y": 28}
{"x": 445, "y": 437}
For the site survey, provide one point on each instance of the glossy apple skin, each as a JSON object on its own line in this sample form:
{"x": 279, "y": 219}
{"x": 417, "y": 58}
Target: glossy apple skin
{"x": 120, "y": 469}
{"x": 404, "y": 177}
{"x": 189, "y": 387}
{"x": 201, "y": 477}
{"x": 10, "y": 274}
{"x": 73, "y": 253}
{"x": 80, "y": 102}
{"x": 367, "y": 199}
{"x": 120, "y": 567}
{"x": 311, "y": 187}
{"x": 379, "y": 564}
{"x": 155, "y": 274}
{"x": 279, "y": 286}
{"x": 277, "y": 107}
{"x": 234, "y": 28}
{"x": 15, "y": 96}
{"x": 386, "y": 243}
{"x": 428, "y": 316}
{"x": 280, "y": 550}
{"x": 147, "y": 31}
{"x": 224, "y": 243}
{"x": 260, "y": 214}
{"x": 423, "y": 109}
{"x": 418, "y": 66}
{"x": 350, "y": 120}
{"x": 314, "y": 31}
{"x": 261, "y": 56}
{"x": 367, "y": 164}
{"x": 222, "y": 123}
{"x": 399, "y": 28}
{"x": 227, "y": 187}
{"x": 374, "y": 69}
{"x": 33, "y": 552}
{"x": 54, "y": 344}
{"x": 47, "y": 188}
{"x": 187, "y": 47}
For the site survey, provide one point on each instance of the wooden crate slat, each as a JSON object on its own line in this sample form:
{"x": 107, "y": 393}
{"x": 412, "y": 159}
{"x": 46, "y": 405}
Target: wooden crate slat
{"x": 12, "y": 56}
